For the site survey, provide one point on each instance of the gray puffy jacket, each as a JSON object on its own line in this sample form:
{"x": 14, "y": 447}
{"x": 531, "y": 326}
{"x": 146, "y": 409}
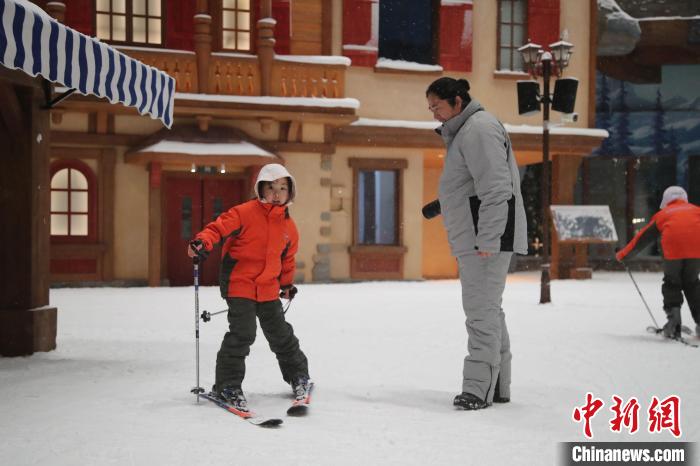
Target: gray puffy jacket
{"x": 480, "y": 199}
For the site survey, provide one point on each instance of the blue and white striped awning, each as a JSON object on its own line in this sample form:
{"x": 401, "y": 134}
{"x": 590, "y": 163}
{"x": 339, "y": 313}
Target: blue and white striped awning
{"x": 34, "y": 42}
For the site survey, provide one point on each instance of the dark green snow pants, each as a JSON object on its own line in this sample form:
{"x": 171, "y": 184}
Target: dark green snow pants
{"x": 230, "y": 361}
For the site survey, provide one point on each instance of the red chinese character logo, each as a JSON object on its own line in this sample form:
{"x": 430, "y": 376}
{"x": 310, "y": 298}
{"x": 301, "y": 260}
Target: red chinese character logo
{"x": 665, "y": 414}
{"x": 586, "y": 412}
{"x": 627, "y": 416}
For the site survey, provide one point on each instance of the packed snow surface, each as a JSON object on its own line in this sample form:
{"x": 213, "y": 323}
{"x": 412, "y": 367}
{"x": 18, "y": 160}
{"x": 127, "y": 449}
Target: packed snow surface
{"x": 386, "y": 358}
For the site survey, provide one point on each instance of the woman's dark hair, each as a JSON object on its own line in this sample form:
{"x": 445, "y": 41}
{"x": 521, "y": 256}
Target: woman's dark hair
{"x": 449, "y": 88}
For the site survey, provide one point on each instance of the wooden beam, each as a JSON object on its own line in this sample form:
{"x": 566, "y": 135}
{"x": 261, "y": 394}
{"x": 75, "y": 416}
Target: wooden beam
{"x": 10, "y": 110}
{"x": 377, "y": 136}
{"x": 144, "y": 158}
{"x": 107, "y": 163}
{"x": 302, "y": 147}
{"x": 73, "y": 138}
{"x": 253, "y": 111}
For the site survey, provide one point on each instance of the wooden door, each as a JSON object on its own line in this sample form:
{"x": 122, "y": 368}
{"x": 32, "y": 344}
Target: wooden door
{"x": 191, "y": 203}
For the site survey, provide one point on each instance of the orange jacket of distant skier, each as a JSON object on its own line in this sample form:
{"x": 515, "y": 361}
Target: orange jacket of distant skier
{"x": 679, "y": 226}
{"x": 261, "y": 241}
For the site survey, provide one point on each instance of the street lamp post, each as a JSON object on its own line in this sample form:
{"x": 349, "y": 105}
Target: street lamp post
{"x": 542, "y": 63}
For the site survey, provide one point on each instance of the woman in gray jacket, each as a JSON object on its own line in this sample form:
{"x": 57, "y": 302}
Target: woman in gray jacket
{"x": 482, "y": 209}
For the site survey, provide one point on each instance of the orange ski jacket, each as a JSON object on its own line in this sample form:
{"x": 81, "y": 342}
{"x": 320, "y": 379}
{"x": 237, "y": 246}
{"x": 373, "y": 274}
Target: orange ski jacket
{"x": 257, "y": 259}
{"x": 679, "y": 226}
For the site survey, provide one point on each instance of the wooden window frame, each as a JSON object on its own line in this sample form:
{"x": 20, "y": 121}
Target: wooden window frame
{"x": 386, "y": 260}
{"x": 100, "y": 250}
{"x": 129, "y": 17}
{"x": 217, "y": 8}
{"x": 91, "y": 178}
{"x": 512, "y": 47}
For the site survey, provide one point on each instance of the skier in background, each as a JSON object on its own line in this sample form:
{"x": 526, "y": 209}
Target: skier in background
{"x": 257, "y": 264}
{"x": 483, "y": 213}
{"x": 678, "y": 224}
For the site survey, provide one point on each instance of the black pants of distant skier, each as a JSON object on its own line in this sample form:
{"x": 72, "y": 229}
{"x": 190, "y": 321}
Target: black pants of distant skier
{"x": 242, "y": 313}
{"x": 681, "y": 277}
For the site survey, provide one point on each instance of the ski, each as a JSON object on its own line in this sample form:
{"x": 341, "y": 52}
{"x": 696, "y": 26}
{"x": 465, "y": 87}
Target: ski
{"x": 658, "y": 331}
{"x": 248, "y": 416}
{"x": 300, "y": 405}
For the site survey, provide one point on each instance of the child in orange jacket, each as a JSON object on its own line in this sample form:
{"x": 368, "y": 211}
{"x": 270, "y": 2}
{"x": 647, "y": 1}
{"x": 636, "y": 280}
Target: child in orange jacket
{"x": 257, "y": 267}
{"x": 678, "y": 223}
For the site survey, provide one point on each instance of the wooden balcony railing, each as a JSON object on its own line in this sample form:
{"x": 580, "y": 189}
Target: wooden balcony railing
{"x": 234, "y": 74}
{"x": 238, "y": 74}
{"x": 292, "y": 78}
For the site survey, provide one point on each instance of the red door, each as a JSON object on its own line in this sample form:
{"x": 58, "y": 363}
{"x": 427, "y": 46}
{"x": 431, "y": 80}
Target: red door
{"x": 191, "y": 203}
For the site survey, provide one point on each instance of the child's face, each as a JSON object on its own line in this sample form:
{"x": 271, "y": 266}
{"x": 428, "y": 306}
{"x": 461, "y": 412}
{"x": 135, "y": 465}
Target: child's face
{"x": 276, "y": 192}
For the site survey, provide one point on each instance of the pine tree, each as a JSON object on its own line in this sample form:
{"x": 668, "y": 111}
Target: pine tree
{"x": 673, "y": 147}
{"x": 603, "y": 113}
{"x": 659, "y": 137}
{"x": 622, "y": 128}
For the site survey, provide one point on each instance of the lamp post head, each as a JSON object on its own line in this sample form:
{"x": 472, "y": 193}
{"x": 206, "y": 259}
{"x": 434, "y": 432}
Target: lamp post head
{"x": 531, "y": 55}
{"x": 561, "y": 51}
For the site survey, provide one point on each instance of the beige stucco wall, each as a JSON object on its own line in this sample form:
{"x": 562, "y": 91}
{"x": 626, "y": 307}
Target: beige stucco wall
{"x": 382, "y": 93}
{"x": 311, "y": 200}
{"x": 341, "y": 223}
{"x": 130, "y": 220}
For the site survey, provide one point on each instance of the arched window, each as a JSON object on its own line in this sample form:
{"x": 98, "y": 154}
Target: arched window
{"x": 73, "y": 202}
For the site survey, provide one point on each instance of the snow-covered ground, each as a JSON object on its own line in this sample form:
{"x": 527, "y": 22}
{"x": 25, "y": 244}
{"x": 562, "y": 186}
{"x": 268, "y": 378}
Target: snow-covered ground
{"x": 386, "y": 358}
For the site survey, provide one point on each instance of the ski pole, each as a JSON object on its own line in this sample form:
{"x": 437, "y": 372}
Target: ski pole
{"x": 195, "y": 261}
{"x": 641, "y": 295}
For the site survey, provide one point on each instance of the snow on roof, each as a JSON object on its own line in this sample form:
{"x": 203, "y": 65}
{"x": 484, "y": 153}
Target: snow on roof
{"x": 269, "y": 100}
{"x": 616, "y": 10}
{"x": 456, "y": 2}
{"x": 510, "y": 73}
{"x": 512, "y": 129}
{"x": 202, "y": 148}
{"x": 315, "y": 59}
{"x": 367, "y": 48}
{"x": 669, "y": 18}
{"x": 561, "y": 130}
{"x": 387, "y": 63}
{"x": 152, "y": 49}
{"x": 396, "y": 123}
{"x": 234, "y": 55}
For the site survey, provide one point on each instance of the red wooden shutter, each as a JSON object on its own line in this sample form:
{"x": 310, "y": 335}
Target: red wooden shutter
{"x": 357, "y": 32}
{"x": 456, "y": 36}
{"x": 179, "y": 25}
{"x": 80, "y": 15}
{"x": 281, "y": 12}
{"x": 543, "y": 21}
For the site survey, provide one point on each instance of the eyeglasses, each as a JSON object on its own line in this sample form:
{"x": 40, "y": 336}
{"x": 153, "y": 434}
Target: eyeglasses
{"x": 434, "y": 107}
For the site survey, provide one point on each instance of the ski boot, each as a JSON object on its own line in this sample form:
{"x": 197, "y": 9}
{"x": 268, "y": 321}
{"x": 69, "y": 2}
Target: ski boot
{"x": 469, "y": 402}
{"x": 235, "y": 398}
{"x": 300, "y": 386}
{"x": 672, "y": 329}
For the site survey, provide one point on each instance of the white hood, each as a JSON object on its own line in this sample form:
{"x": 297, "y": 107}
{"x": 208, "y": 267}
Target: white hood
{"x": 272, "y": 172}
{"x": 672, "y": 193}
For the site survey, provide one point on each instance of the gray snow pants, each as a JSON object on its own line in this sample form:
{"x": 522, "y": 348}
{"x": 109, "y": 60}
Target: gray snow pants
{"x": 483, "y": 281}
{"x": 230, "y": 361}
